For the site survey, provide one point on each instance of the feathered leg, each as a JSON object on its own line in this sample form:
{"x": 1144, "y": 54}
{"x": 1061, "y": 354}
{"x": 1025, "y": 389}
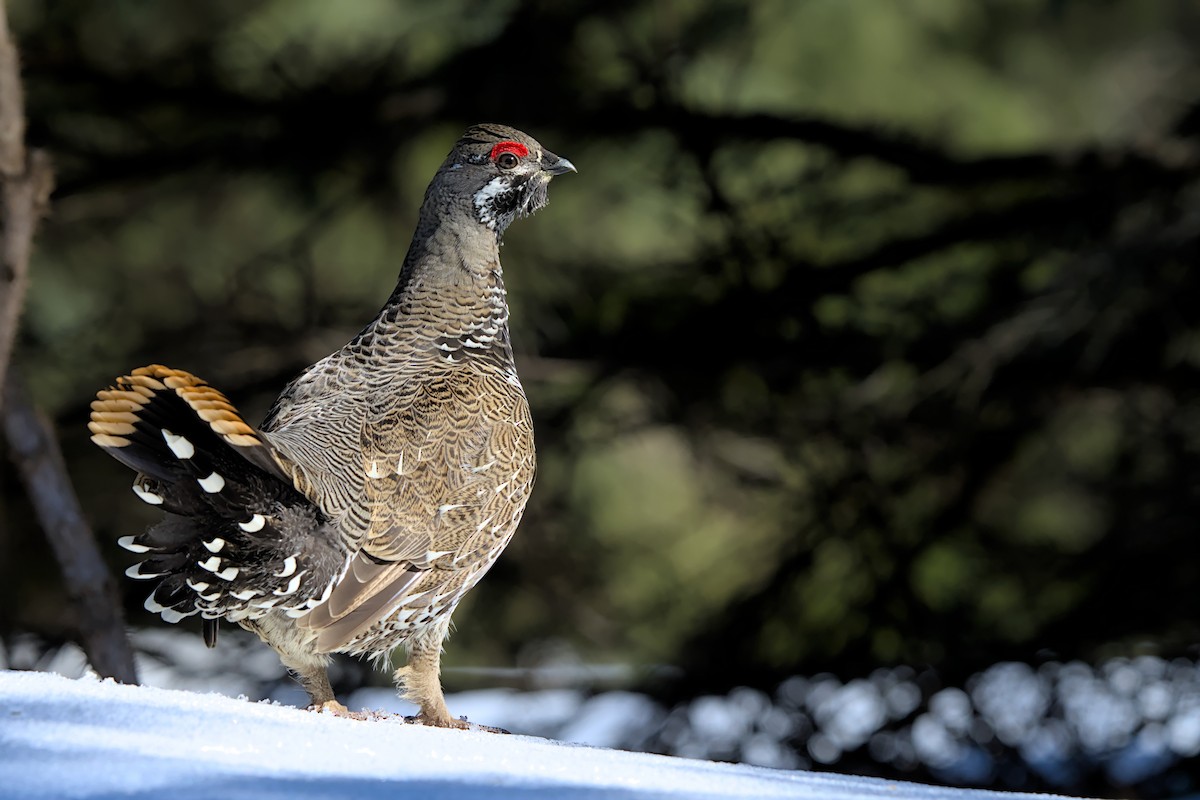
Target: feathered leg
{"x": 310, "y": 669}
{"x": 420, "y": 679}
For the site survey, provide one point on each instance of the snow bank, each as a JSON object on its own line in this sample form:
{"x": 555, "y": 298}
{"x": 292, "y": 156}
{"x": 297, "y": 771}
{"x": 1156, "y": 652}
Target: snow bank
{"x": 62, "y": 738}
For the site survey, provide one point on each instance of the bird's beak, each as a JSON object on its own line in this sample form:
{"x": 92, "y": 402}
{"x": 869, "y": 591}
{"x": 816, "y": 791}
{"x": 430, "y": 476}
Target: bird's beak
{"x": 555, "y": 165}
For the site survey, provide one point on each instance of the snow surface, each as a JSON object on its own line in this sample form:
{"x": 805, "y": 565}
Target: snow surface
{"x": 63, "y": 738}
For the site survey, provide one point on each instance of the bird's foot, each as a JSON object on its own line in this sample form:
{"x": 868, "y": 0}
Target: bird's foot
{"x": 336, "y": 709}
{"x": 450, "y": 722}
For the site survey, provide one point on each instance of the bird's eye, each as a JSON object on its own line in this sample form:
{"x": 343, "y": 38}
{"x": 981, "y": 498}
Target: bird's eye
{"x": 506, "y": 160}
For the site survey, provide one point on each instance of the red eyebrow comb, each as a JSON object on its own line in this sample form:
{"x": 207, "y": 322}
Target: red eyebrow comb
{"x": 516, "y": 148}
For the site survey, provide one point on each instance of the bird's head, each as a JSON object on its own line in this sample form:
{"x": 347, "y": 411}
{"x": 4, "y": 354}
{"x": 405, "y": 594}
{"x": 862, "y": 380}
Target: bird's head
{"x": 501, "y": 172}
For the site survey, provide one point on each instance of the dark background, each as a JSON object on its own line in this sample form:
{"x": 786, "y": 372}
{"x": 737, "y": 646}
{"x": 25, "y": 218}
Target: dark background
{"x": 867, "y": 334}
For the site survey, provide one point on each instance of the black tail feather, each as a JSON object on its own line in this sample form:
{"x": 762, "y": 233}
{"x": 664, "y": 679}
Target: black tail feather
{"x": 211, "y": 628}
{"x": 238, "y": 540}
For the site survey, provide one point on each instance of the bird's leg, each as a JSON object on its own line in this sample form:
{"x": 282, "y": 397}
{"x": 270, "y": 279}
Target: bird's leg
{"x": 420, "y": 679}
{"x": 313, "y": 674}
{"x": 316, "y": 683}
{"x": 311, "y": 669}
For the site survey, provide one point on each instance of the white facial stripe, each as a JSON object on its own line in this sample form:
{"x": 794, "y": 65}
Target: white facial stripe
{"x": 485, "y": 199}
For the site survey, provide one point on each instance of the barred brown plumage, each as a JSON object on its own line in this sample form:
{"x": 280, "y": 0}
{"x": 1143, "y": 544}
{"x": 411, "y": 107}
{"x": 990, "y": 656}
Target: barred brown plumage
{"x": 387, "y": 477}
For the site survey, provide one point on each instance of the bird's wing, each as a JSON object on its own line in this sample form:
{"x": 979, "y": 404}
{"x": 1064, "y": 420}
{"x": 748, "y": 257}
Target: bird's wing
{"x": 314, "y": 428}
{"x": 448, "y": 464}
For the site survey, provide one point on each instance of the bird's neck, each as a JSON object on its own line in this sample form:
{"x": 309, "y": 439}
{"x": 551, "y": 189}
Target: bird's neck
{"x": 452, "y": 254}
{"x": 449, "y": 299}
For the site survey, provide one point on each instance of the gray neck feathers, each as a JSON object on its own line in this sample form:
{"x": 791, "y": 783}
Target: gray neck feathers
{"x": 450, "y": 247}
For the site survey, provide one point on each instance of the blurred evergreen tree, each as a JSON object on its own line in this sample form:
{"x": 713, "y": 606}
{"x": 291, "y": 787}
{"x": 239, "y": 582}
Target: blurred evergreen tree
{"x": 865, "y": 335}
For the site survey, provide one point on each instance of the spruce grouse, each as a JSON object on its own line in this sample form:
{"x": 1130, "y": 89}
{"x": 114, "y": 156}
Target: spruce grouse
{"x": 387, "y": 477}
